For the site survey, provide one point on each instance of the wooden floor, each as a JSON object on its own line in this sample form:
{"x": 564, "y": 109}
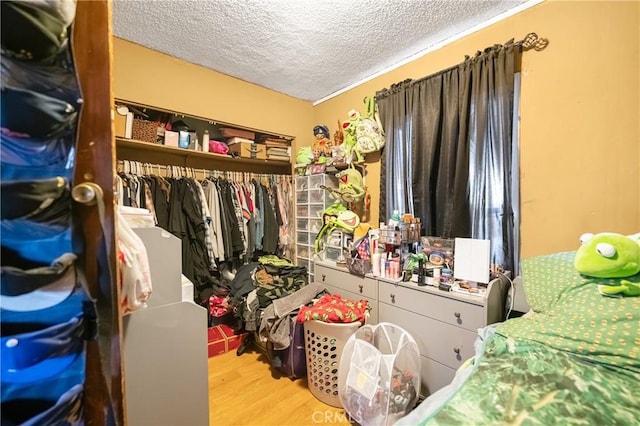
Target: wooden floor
{"x": 242, "y": 391}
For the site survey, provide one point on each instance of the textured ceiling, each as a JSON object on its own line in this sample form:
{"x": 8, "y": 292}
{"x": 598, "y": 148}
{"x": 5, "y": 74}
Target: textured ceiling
{"x": 308, "y": 49}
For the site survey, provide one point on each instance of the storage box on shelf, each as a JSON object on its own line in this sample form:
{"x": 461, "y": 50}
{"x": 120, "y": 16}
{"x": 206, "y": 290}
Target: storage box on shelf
{"x": 311, "y": 201}
{"x": 249, "y": 150}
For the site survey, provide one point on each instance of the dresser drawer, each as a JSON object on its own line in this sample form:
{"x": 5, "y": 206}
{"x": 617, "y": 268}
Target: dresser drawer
{"x": 451, "y": 311}
{"x": 343, "y": 280}
{"x": 447, "y": 344}
{"x": 373, "y": 313}
{"x": 434, "y": 376}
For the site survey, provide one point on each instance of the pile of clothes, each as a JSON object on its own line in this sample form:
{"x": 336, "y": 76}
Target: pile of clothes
{"x": 257, "y": 284}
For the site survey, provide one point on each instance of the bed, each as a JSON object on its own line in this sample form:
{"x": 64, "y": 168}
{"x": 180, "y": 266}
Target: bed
{"x": 574, "y": 359}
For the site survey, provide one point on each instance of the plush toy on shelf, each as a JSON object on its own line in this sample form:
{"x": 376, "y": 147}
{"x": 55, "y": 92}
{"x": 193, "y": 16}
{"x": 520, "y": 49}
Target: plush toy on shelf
{"x": 350, "y": 139}
{"x": 350, "y": 186}
{"x": 322, "y": 145}
{"x": 305, "y": 155}
{"x": 336, "y": 217}
{"x": 611, "y": 255}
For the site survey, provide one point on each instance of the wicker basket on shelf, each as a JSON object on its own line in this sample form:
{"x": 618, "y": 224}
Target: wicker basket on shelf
{"x": 144, "y": 130}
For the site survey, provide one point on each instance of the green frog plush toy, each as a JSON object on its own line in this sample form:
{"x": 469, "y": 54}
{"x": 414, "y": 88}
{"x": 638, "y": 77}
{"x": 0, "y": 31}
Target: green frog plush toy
{"x": 611, "y": 255}
{"x": 336, "y": 216}
{"x": 351, "y": 187}
{"x": 305, "y": 155}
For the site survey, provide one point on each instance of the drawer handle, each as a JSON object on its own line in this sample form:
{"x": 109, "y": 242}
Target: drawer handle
{"x": 456, "y": 350}
{"x": 323, "y": 277}
{"x": 393, "y": 298}
{"x": 456, "y": 314}
{"x": 360, "y": 287}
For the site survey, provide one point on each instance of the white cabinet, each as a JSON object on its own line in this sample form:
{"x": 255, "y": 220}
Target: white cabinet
{"x": 340, "y": 281}
{"x": 165, "y": 345}
{"x": 443, "y": 324}
{"x": 311, "y": 201}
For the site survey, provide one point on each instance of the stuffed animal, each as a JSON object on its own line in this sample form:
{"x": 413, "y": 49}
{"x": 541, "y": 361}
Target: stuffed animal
{"x": 610, "y": 255}
{"x": 350, "y": 139}
{"x": 305, "y": 155}
{"x": 350, "y": 186}
{"x": 335, "y": 217}
{"x": 322, "y": 144}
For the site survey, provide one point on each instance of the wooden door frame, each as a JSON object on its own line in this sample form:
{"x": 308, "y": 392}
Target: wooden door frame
{"x": 95, "y": 163}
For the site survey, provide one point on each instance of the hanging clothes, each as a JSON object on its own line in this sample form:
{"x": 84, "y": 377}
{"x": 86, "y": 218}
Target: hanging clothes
{"x": 160, "y": 197}
{"x": 258, "y": 215}
{"x": 206, "y": 218}
{"x": 222, "y": 223}
{"x": 186, "y": 222}
{"x": 215, "y": 225}
{"x": 270, "y": 239}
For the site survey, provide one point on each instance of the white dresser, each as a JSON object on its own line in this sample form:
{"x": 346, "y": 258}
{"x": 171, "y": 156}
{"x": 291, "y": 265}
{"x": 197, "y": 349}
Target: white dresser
{"x": 444, "y": 324}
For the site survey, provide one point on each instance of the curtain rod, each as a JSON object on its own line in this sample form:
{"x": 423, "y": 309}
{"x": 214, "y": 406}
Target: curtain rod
{"x": 530, "y": 41}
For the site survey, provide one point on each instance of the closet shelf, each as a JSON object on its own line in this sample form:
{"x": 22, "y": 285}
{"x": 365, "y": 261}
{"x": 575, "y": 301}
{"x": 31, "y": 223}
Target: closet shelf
{"x": 148, "y": 152}
{"x": 152, "y": 111}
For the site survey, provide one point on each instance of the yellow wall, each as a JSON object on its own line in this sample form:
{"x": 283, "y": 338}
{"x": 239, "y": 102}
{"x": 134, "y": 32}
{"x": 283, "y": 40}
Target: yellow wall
{"x": 580, "y": 109}
{"x": 580, "y": 114}
{"x": 152, "y": 78}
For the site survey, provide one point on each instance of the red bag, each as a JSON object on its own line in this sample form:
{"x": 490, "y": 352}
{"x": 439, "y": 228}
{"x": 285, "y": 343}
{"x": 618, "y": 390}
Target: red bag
{"x": 218, "y": 147}
{"x": 220, "y": 311}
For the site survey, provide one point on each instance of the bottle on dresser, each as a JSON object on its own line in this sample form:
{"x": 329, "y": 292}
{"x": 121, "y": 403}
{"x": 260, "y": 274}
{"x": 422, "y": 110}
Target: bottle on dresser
{"x": 375, "y": 264}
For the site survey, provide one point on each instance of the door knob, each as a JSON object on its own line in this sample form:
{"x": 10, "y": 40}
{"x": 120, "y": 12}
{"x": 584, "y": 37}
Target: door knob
{"x": 361, "y": 287}
{"x": 87, "y": 193}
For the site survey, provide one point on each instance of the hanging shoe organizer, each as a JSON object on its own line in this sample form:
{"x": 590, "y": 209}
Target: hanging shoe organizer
{"x": 46, "y": 314}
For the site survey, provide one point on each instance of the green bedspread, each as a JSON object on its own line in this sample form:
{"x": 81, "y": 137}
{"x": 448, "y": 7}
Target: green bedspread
{"x": 523, "y": 382}
{"x": 571, "y": 315}
{"x": 575, "y": 360}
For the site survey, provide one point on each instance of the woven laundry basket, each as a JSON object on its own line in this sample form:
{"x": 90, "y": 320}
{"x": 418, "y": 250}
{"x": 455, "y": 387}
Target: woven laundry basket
{"x": 324, "y": 343}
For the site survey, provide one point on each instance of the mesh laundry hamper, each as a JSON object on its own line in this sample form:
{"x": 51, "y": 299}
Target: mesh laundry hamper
{"x": 323, "y": 347}
{"x": 379, "y": 374}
